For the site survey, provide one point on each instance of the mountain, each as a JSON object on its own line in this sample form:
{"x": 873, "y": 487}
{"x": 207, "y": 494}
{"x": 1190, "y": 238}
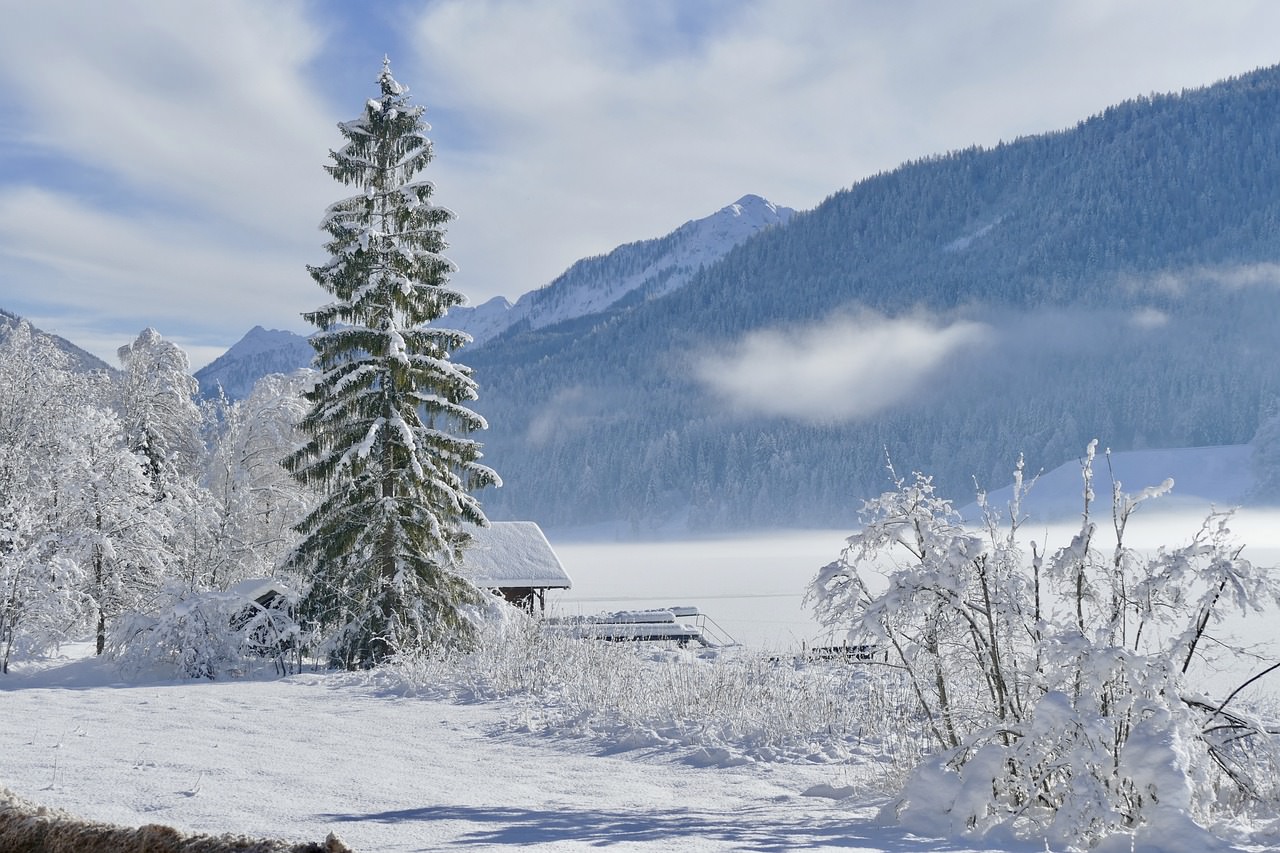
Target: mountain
{"x": 483, "y": 321}
{"x": 1119, "y": 279}
{"x": 81, "y": 360}
{"x": 636, "y": 271}
{"x": 646, "y": 269}
{"x": 258, "y": 353}
{"x": 1203, "y": 478}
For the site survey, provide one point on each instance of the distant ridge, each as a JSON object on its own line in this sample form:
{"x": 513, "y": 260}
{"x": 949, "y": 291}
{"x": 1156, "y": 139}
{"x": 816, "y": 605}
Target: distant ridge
{"x": 645, "y": 269}
{"x": 1118, "y": 279}
{"x": 259, "y": 353}
{"x": 81, "y": 360}
{"x": 1203, "y": 478}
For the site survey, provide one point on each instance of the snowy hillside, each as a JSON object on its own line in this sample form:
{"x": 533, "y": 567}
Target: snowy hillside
{"x": 258, "y": 353}
{"x": 1202, "y": 477}
{"x": 641, "y": 270}
{"x": 81, "y": 359}
{"x": 954, "y": 312}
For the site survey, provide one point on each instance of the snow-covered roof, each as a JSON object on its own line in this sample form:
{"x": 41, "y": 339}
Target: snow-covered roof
{"x": 255, "y": 588}
{"x": 510, "y": 554}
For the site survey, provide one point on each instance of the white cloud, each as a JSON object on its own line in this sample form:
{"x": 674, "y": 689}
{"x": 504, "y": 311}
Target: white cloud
{"x": 1177, "y": 282}
{"x": 1149, "y": 318}
{"x": 192, "y": 104}
{"x": 563, "y": 128}
{"x": 176, "y": 179}
{"x": 104, "y": 277}
{"x": 841, "y": 369}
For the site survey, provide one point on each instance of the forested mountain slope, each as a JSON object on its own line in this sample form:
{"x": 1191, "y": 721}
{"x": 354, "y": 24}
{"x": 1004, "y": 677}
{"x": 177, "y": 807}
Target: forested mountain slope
{"x": 1120, "y": 279}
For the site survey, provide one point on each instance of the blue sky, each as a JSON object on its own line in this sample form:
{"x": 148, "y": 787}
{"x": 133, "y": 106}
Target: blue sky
{"x": 161, "y": 162}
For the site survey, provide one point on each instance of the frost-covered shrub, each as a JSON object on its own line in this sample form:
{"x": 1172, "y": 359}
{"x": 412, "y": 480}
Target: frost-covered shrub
{"x": 1054, "y": 686}
{"x": 728, "y": 705}
{"x": 207, "y": 635}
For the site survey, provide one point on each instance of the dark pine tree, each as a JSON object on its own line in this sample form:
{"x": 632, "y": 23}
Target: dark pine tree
{"x": 388, "y": 419}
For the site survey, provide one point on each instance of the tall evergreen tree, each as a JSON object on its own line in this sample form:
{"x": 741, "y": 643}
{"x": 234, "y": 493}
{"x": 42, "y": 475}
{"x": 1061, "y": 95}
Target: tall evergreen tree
{"x": 388, "y": 419}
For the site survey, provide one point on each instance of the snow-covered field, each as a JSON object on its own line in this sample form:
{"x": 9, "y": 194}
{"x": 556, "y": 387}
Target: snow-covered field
{"x": 389, "y": 766}
{"x": 386, "y": 768}
{"x": 309, "y": 754}
{"x": 753, "y": 585}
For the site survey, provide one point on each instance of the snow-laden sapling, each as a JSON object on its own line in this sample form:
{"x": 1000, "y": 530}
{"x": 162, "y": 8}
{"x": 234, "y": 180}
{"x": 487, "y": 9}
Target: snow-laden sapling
{"x": 1056, "y": 687}
{"x": 254, "y": 502}
{"x": 211, "y": 633}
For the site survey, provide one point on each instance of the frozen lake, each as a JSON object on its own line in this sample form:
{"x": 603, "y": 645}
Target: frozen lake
{"x": 752, "y": 586}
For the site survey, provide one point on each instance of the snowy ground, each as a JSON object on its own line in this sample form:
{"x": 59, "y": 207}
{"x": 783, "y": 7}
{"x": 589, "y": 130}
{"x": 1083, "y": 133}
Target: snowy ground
{"x": 386, "y": 770}
{"x": 299, "y": 757}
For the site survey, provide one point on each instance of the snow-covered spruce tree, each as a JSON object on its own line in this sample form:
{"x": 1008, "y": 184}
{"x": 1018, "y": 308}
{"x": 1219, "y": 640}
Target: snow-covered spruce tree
{"x": 387, "y": 425}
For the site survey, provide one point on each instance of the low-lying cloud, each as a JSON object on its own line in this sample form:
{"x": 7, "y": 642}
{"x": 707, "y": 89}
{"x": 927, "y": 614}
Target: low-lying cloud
{"x": 846, "y": 368}
{"x": 1230, "y": 277}
{"x": 1148, "y": 318}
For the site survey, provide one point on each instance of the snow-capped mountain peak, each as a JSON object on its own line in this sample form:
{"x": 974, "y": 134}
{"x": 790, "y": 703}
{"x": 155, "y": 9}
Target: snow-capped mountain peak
{"x": 81, "y": 360}
{"x": 260, "y": 352}
{"x": 645, "y": 269}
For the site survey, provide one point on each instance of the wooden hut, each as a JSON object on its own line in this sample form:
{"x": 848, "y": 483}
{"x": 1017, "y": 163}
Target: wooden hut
{"x": 515, "y": 559}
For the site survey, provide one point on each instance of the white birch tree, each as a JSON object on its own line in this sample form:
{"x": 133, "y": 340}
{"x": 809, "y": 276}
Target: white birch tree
{"x": 43, "y": 600}
{"x": 161, "y": 418}
{"x": 255, "y": 502}
{"x": 163, "y": 426}
{"x": 111, "y": 525}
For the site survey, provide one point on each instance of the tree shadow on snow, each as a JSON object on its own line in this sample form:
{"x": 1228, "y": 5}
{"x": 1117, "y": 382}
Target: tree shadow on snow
{"x": 745, "y": 829}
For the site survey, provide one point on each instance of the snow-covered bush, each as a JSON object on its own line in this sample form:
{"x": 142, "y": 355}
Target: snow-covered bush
{"x": 208, "y": 634}
{"x": 727, "y": 706}
{"x": 1055, "y": 687}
